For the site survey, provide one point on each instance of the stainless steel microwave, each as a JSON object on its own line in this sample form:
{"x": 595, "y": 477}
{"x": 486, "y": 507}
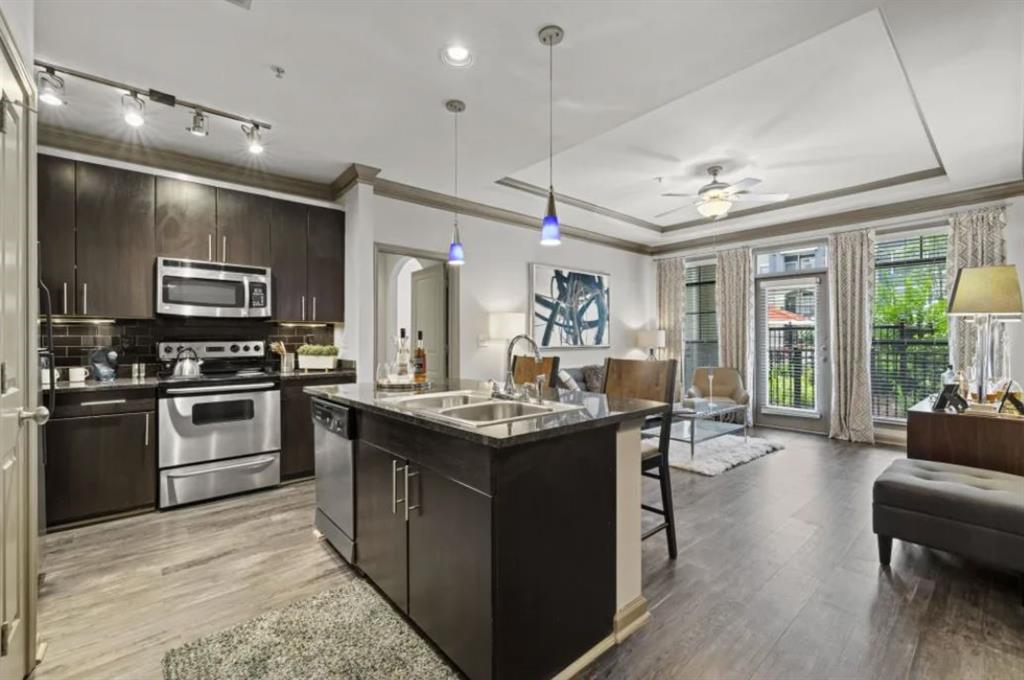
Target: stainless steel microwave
{"x": 212, "y": 289}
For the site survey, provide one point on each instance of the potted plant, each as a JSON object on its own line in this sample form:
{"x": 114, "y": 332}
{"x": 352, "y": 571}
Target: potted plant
{"x": 317, "y": 357}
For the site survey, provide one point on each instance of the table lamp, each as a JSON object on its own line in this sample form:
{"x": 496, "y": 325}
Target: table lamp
{"x": 652, "y": 339}
{"x": 988, "y": 294}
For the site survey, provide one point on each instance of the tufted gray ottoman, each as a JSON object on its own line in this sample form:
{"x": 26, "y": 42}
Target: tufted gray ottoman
{"x": 968, "y": 511}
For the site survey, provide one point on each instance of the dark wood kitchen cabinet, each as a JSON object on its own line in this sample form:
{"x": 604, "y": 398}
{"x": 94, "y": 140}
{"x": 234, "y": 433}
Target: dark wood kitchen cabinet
{"x": 382, "y": 548}
{"x": 288, "y": 255}
{"x": 115, "y": 242}
{"x": 325, "y": 282}
{"x": 243, "y": 228}
{"x": 297, "y": 452}
{"x": 56, "y": 219}
{"x": 186, "y": 219}
{"x": 99, "y": 465}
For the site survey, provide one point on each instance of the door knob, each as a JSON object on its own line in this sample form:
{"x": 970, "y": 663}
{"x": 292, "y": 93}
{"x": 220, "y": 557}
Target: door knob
{"x": 38, "y": 415}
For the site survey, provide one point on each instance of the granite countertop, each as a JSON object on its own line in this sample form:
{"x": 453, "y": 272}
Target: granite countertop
{"x": 91, "y": 385}
{"x": 302, "y": 375}
{"x": 598, "y": 410}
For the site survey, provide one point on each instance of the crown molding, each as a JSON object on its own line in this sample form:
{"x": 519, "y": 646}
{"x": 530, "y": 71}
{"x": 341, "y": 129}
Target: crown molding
{"x": 355, "y": 172}
{"x": 519, "y": 185}
{"x": 433, "y": 199}
{"x": 128, "y": 152}
{"x": 914, "y": 206}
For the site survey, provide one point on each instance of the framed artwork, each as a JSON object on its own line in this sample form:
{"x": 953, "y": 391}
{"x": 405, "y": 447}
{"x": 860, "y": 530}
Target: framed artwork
{"x": 571, "y": 308}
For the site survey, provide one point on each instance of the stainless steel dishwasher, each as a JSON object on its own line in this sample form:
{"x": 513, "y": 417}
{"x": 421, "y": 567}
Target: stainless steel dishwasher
{"x": 333, "y": 435}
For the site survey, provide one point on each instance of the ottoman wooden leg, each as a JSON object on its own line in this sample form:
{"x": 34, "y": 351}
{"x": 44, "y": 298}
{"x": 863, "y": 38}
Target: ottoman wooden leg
{"x": 884, "y": 549}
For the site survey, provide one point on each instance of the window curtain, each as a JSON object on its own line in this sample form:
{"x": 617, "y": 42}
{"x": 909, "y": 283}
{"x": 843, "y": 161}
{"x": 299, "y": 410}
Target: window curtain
{"x": 975, "y": 240}
{"x": 672, "y": 309}
{"x": 734, "y": 300}
{"x": 851, "y": 275}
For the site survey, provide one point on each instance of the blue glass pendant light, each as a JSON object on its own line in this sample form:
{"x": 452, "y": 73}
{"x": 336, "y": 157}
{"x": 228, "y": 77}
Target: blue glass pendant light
{"x": 550, "y": 233}
{"x": 456, "y": 255}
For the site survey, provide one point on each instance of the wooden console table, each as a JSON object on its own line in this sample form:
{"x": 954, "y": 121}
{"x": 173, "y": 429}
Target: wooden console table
{"x": 989, "y": 442}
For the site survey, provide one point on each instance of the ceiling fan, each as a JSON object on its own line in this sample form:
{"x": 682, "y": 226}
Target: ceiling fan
{"x": 715, "y": 198}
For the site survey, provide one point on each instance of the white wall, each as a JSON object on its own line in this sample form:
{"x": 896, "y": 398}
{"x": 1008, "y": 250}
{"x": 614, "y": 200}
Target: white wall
{"x": 1015, "y": 255}
{"x": 495, "y": 279}
{"x": 20, "y": 17}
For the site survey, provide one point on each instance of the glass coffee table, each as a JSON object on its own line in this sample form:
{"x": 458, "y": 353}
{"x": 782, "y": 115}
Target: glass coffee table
{"x": 703, "y": 421}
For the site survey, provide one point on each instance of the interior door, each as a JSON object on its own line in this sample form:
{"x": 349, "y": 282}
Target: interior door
{"x": 429, "y": 315}
{"x": 17, "y": 394}
{"x": 793, "y": 371}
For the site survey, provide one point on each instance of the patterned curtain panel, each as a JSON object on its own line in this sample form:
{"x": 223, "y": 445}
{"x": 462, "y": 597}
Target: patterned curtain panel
{"x": 975, "y": 239}
{"x": 734, "y": 300}
{"x": 672, "y": 309}
{"x": 851, "y": 275}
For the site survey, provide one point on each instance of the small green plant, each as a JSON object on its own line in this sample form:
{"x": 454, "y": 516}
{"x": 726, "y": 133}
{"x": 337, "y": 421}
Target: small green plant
{"x": 318, "y": 350}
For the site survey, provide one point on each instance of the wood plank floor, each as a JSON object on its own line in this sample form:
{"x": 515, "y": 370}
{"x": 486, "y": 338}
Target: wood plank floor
{"x": 777, "y": 577}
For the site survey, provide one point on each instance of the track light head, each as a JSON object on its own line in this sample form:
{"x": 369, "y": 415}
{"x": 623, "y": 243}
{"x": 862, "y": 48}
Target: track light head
{"x": 200, "y": 126}
{"x": 133, "y": 109}
{"x": 51, "y": 88}
{"x": 253, "y": 138}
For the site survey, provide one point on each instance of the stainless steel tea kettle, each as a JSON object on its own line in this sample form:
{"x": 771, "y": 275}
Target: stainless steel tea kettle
{"x": 186, "y": 367}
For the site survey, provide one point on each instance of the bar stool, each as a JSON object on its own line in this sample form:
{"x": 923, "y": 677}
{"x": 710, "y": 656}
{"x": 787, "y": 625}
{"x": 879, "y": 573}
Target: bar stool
{"x": 654, "y": 381}
{"x": 525, "y": 369}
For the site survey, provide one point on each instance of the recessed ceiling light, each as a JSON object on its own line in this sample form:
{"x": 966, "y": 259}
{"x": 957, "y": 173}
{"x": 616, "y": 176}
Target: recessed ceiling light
{"x": 254, "y": 139}
{"x": 457, "y": 55}
{"x": 51, "y": 88}
{"x": 199, "y": 126}
{"x": 134, "y": 110}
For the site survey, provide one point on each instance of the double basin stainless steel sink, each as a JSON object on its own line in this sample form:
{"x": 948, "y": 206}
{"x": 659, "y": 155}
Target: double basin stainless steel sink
{"x": 479, "y": 409}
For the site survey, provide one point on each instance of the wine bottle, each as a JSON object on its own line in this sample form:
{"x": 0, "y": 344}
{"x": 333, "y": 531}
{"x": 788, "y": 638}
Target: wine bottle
{"x": 419, "y": 360}
{"x": 402, "y": 369}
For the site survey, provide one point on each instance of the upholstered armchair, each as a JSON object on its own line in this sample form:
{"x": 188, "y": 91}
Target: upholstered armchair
{"x": 728, "y": 386}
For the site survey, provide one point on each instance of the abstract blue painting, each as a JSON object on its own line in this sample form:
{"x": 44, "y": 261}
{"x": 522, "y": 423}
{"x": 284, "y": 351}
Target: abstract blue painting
{"x": 571, "y": 308}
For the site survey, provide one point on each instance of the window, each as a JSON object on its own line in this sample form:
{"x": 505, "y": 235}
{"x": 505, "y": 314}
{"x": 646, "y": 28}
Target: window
{"x": 701, "y": 327}
{"x": 799, "y": 259}
{"x": 909, "y": 348}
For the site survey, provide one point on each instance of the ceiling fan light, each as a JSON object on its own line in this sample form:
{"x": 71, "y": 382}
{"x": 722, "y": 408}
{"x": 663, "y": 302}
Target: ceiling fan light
{"x": 714, "y": 207}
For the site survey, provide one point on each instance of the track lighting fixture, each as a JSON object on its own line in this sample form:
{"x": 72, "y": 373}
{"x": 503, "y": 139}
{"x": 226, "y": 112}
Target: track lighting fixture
{"x": 253, "y": 138}
{"x": 133, "y": 109}
{"x": 51, "y": 88}
{"x": 200, "y": 124}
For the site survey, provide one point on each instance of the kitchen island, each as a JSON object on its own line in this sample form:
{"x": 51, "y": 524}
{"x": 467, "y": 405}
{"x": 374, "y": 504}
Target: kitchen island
{"x": 507, "y": 532}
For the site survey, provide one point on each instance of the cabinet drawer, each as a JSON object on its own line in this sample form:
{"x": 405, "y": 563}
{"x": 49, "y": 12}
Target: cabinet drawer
{"x": 104, "y": 402}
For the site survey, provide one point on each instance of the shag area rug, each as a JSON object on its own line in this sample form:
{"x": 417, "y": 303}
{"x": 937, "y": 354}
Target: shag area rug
{"x": 715, "y": 456}
{"x": 349, "y": 633}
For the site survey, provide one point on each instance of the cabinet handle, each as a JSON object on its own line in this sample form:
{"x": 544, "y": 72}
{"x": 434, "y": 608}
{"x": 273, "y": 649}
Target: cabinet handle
{"x": 223, "y": 248}
{"x": 394, "y": 487}
{"x": 303, "y": 307}
{"x": 103, "y": 402}
{"x": 209, "y": 247}
{"x": 146, "y": 441}
{"x": 314, "y": 308}
{"x": 408, "y": 507}
{"x": 85, "y": 298}
{"x": 65, "y": 289}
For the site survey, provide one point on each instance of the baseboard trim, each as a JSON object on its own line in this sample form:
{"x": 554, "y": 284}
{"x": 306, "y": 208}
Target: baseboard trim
{"x": 630, "y": 618}
{"x": 591, "y": 655}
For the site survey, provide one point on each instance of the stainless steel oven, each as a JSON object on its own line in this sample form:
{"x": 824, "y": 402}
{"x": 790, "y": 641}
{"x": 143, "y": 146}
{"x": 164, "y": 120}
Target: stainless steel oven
{"x": 218, "y": 439}
{"x": 212, "y": 289}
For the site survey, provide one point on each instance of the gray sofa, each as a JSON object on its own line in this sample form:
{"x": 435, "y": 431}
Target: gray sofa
{"x": 577, "y": 374}
{"x": 976, "y": 513}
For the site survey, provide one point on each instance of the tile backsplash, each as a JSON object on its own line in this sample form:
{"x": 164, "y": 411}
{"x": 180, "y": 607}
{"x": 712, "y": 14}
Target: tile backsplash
{"x": 135, "y": 341}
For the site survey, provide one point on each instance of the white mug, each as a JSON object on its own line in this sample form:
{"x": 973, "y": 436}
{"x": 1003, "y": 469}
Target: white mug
{"x": 76, "y": 374}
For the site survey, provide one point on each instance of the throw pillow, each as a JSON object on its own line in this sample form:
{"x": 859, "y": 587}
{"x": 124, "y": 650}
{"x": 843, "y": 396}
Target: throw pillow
{"x": 593, "y": 376}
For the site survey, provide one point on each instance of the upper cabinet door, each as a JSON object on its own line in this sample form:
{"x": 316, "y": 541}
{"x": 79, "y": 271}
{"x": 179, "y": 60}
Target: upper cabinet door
{"x": 243, "y": 228}
{"x": 115, "y": 242}
{"x": 186, "y": 219}
{"x": 325, "y": 282}
{"x": 57, "y": 232}
{"x": 288, "y": 261}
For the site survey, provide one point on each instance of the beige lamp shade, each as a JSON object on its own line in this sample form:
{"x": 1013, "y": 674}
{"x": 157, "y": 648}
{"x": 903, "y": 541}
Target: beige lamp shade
{"x": 986, "y": 290}
{"x": 654, "y": 337}
{"x": 505, "y": 325}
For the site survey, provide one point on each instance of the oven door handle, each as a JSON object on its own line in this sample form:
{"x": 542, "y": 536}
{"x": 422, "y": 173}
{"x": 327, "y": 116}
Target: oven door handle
{"x": 237, "y": 466}
{"x": 215, "y": 389}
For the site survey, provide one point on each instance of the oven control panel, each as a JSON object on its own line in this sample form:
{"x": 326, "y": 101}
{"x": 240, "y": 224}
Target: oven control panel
{"x": 213, "y": 349}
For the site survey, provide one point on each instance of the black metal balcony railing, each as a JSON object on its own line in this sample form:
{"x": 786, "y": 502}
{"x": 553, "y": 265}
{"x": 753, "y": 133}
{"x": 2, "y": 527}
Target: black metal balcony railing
{"x": 791, "y": 366}
{"x": 906, "y": 366}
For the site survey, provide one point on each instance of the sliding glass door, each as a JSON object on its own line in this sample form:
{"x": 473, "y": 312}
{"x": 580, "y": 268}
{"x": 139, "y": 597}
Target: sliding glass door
{"x": 793, "y": 387}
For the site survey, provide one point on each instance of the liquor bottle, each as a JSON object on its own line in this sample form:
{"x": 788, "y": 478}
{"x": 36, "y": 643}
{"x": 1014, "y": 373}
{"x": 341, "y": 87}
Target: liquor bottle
{"x": 419, "y": 360}
{"x": 402, "y": 369}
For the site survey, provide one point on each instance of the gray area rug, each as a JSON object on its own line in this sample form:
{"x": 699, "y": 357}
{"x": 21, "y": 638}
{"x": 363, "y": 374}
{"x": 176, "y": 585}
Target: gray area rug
{"x": 349, "y": 633}
{"x": 715, "y": 456}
